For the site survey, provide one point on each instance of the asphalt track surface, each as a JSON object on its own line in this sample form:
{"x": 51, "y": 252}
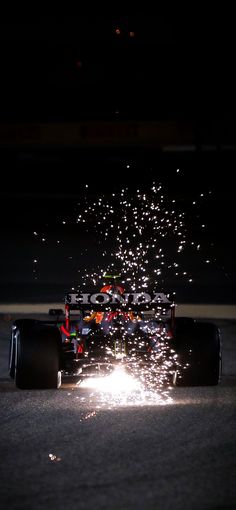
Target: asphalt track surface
{"x": 80, "y": 448}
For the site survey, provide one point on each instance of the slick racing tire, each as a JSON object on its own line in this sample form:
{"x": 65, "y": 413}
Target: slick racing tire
{"x": 199, "y": 355}
{"x": 35, "y": 355}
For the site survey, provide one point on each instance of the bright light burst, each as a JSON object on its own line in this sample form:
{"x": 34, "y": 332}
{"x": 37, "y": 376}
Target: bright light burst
{"x": 123, "y": 389}
{"x": 118, "y": 382}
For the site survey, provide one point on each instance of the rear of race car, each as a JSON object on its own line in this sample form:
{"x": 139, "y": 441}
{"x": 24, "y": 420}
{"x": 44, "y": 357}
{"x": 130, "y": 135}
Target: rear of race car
{"x": 137, "y": 330}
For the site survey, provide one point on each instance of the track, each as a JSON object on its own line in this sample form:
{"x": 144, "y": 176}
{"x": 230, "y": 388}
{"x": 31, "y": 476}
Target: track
{"x": 83, "y": 448}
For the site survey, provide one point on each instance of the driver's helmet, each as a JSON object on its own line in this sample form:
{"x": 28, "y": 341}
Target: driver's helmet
{"x": 113, "y": 289}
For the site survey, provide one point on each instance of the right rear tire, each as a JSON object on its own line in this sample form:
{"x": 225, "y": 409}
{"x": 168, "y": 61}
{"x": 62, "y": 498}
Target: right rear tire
{"x": 199, "y": 353}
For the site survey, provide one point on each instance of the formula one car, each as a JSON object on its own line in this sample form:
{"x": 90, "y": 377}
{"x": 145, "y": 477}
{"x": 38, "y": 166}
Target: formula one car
{"x": 99, "y": 331}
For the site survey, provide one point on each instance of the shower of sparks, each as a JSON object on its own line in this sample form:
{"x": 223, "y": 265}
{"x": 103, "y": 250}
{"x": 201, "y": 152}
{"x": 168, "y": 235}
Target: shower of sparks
{"x": 141, "y": 377}
{"x": 141, "y": 235}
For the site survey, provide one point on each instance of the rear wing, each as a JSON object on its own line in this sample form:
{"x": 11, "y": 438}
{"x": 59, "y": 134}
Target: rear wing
{"x": 134, "y": 301}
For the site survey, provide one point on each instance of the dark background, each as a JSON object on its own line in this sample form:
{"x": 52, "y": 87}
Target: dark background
{"x": 74, "y": 67}
{"x": 95, "y": 69}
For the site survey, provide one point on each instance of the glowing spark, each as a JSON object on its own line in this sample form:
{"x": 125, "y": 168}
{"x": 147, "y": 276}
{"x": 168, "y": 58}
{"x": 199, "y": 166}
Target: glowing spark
{"x": 54, "y": 458}
{"x": 88, "y": 416}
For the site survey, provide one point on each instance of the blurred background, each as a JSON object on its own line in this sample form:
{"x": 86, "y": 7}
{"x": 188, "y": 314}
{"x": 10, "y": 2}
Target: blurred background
{"x": 93, "y": 104}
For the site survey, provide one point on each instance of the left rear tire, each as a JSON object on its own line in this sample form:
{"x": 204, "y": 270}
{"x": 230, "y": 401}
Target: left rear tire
{"x": 35, "y": 355}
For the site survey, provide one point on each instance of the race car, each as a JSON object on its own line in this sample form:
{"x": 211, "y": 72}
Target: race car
{"x": 138, "y": 330}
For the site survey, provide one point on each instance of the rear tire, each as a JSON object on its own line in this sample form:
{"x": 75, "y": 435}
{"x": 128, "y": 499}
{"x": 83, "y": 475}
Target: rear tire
{"x": 199, "y": 352}
{"x": 12, "y": 355}
{"x": 35, "y": 355}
